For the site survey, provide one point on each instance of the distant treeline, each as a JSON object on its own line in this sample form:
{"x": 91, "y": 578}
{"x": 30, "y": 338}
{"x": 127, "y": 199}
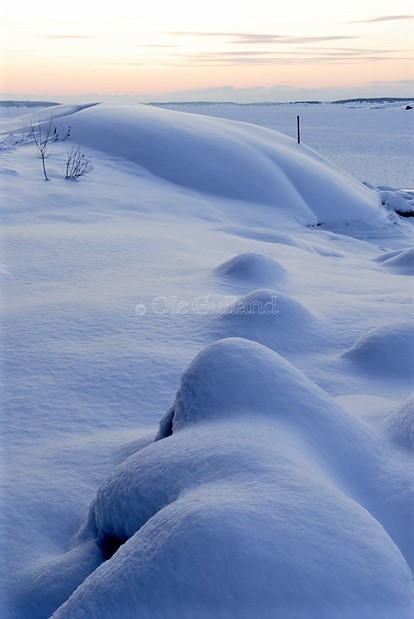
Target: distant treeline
{"x": 27, "y": 103}
{"x": 375, "y": 100}
{"x": 263, "y": 103}
{"x": 268, "y": 103}
{"x": 11, "y": 103}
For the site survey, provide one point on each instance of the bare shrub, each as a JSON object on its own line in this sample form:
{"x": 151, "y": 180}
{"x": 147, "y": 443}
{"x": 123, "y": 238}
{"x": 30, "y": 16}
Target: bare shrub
{"x": 77, "y": 164}
{"x": 42, "y": 136}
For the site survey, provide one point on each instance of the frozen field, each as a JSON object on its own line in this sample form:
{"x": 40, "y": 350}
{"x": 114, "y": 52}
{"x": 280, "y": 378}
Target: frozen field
{"x": 208, "y": 369}
{"x": 374, "y": 144}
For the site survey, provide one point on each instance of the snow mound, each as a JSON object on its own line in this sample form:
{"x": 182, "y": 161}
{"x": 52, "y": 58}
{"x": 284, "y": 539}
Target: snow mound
{"x": 225, "y": 158}
{"x": 252, "y": 268}
{"x": 400, "y": 424}
{"x": 219, "y": 384}
{"x": 401, "y": 261}
{"x": 239, "y": 505}
{"x": 274, "y": 319}
{"x": 388, "y": 351}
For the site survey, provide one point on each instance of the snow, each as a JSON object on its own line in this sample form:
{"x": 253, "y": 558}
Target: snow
{"x": 235, "y": 486}
{"x": 401, "y": 202}
{"x": 373, "y": 142}
{"x": 400, "y": 424}
{"x": 387, "y": 350}
{"x": 252, "y": 268}
{"x": 208, "y": 396}
{"x": 400, "y": 261}
{"x": 270, "y": 317}
{"x": 269, "y": 169}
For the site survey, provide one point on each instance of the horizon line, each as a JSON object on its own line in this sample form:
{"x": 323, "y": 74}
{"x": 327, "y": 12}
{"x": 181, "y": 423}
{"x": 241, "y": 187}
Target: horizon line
{"x": 389, "y": 99}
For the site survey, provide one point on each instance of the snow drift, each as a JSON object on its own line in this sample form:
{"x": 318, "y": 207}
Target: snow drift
{"x": 223, "y": 158}
{"x": 251, "y": 474}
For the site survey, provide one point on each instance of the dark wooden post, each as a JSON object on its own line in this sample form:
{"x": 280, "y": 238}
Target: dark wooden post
{"x": 298, "y": 127}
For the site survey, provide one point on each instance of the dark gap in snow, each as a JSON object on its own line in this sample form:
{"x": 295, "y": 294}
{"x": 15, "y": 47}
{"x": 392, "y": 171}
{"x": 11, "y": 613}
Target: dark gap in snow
{"x": 109, "y": 544}
{"x": 166, "y": 425}
{"x": 405, "y": 213}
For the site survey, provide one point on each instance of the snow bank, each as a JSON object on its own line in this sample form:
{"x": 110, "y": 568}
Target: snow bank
{"x": 253, "y": 474}
{"x": 388, "y": 351}
{"x": 224, "y": 158}
{"x": 252, "y": 268}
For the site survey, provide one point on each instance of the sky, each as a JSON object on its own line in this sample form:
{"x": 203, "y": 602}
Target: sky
{"x": 222, "y": 50}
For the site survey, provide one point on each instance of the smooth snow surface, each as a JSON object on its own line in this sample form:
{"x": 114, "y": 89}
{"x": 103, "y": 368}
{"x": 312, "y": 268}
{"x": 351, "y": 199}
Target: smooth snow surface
{"x": 208, "y": 374}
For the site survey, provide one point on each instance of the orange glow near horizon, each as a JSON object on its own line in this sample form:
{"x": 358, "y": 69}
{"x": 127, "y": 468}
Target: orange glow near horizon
{"x": 169, "y": 47}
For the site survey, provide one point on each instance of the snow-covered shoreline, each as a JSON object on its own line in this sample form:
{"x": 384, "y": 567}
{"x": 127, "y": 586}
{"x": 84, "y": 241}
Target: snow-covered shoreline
{"x": 373, "y": 141}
